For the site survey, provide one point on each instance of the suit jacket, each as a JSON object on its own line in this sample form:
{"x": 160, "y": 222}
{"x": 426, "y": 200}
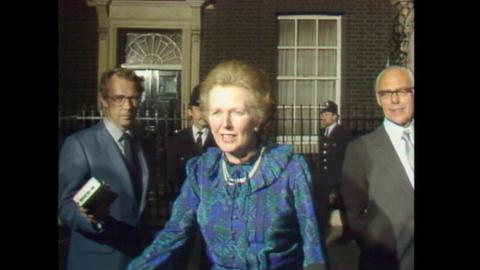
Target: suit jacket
{"x": 331, "y": 155}
{"x": 94, "y": 153}
{"x": 180, "y": 149}
{"x": 379, "y": 200}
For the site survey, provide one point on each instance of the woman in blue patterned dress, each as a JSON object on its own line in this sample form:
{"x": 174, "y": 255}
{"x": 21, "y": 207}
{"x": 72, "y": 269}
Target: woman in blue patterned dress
{"x": 250, "y": 199}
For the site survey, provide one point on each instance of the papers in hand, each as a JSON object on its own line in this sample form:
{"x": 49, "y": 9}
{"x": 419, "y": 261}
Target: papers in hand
{"x": 93, "y": 194}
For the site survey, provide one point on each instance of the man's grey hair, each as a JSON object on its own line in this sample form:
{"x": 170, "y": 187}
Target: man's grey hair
{"x": 379, "y": 77}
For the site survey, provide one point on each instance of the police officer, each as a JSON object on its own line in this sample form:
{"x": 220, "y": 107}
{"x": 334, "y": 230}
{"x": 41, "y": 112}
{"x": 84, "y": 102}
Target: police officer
{"x": 333, "y": 141}
{"x": 188, "y": 143}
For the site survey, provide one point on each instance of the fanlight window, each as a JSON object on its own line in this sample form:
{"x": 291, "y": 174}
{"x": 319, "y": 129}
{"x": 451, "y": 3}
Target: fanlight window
{"x": 153, "y": 49}
{"x": 157, "y": 57}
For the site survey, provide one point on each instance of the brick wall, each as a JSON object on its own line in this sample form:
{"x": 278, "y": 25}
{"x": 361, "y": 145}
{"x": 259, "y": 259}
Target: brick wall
{"x": 366, "y": 39}
{"x": 247, "y": 30}
{"x": 77, "y": 56}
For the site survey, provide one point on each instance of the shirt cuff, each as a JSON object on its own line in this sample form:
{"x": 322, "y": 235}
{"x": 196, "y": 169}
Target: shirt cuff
{"x": 98, "y": 226}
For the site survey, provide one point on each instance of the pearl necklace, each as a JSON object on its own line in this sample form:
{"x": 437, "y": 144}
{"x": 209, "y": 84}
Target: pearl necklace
{"x": 233, "y": 181}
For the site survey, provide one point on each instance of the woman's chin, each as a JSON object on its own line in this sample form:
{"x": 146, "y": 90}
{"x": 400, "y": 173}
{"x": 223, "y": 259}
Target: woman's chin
{"x": 227, "y": 149}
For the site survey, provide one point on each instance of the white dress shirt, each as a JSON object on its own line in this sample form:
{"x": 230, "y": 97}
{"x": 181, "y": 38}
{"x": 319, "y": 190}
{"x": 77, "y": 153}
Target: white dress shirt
{"x": 116, "y": 133}
{"x": 204, "y": 131}
{"x": 328, "y": 130}
{"x": 395, "y": 133}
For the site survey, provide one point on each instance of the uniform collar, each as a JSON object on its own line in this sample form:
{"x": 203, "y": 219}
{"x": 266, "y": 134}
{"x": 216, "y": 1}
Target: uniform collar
{"x": 195, "y": 130}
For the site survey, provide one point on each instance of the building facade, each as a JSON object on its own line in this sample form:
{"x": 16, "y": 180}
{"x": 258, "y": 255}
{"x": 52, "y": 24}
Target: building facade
{"x": 312, "y": 50}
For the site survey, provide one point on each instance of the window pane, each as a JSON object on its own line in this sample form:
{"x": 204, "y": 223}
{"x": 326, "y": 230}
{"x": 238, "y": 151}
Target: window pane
{"x": 326, "y": 90}
{"x": 285, "y": 120}
{"x": 306, "y": 63}
{"x": 306, "y": 96}
{"x": 327, "y": 62}
{"x": 327, "y": 33}
{"x": 154, "y": 48}
{"x": 309, "y": 120}
{"x": 286, "y": 96}
{"x": 306, "y": 93}
{"x": 285, "y": 92}
{"x": 286, "y": 63}
{"x": 286, "y": 36}
{"x": 306, "y": 33}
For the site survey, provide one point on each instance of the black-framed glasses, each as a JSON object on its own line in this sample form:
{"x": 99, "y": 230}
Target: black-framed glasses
{"x": 120, "y": 100}
{"x": 400, "y": 92}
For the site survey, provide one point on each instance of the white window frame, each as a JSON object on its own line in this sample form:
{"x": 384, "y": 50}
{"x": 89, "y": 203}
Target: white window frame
{"x": 312, "y": 139}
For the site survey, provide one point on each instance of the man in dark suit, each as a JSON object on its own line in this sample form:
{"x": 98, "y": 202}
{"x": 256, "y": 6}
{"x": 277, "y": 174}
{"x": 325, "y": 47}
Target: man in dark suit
{"x": 332, "y": 145}
{"x": 186, "y": 144}
{"x": 378, "y": 178}
{"x": 107, "y": 237}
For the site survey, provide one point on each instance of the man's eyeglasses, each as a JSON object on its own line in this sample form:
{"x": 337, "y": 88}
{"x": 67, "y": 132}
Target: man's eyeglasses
{"x": 120, "y": 100}
{"x": 400, "y": 92}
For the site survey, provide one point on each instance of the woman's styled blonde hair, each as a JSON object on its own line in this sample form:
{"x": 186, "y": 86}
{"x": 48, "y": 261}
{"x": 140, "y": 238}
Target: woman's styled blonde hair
{"x": 241, "y": 74}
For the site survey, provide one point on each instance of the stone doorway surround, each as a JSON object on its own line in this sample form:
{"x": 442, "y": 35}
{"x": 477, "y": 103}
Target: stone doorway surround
{"x": 140, "y": 14}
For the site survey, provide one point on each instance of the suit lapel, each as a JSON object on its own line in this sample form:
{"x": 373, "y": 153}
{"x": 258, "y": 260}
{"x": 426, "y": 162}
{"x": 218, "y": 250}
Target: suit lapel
{"x": 387, "y": 155}
{"x": 143, "y": 167}
{"x": 333, "y": 132}
{"x": 192, "y": 148}
{"x": 191, "y": 136}
{"x": 145, "y": 173}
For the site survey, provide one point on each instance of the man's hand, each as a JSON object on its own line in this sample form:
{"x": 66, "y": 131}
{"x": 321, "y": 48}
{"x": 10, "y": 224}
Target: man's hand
{"x": 332, "y": 198}
{"x": 96, "y": 215}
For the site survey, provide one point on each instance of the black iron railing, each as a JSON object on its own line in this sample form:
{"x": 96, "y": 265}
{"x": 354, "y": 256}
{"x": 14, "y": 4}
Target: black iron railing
{"x": 296, "y": 125}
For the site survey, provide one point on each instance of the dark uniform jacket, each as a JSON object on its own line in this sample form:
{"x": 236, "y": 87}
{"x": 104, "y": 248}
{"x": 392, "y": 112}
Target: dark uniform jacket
{"x": 180, "y": 149}
{"x": 331, "y": 155}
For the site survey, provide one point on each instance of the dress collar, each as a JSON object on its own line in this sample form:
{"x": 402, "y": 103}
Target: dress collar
{"x": 274, "y": 162}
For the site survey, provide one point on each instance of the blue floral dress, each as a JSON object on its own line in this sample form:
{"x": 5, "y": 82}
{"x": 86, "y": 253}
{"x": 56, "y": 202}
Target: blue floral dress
{"x": 268, "y": 222}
